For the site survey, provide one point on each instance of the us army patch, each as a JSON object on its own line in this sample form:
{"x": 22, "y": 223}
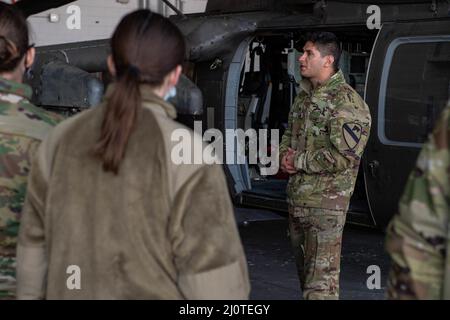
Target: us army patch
{"x": 352, "y": 134}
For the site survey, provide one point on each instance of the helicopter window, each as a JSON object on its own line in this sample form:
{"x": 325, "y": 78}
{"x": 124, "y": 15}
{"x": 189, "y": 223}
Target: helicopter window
{"x": 416, "y": 91}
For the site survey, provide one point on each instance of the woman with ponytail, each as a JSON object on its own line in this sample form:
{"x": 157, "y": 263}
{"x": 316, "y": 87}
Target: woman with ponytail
{"x": 22, "y": 127}
{"x": 106, "y": 200}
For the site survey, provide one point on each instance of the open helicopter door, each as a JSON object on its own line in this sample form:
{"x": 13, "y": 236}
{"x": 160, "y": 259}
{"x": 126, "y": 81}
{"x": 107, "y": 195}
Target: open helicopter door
{"x": 407, "y": 87}
{"x": 238, "y": 172}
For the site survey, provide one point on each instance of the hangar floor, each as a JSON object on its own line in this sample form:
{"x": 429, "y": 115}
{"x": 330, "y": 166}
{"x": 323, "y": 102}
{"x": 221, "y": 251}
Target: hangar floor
{"x": 272, "y": 267}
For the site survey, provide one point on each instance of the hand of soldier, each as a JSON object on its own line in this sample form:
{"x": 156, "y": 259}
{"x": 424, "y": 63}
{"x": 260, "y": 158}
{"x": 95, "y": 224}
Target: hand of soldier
{"x": 287, "y": 162}
{"x": 284, "y": 162}
{"x": 290, "y": 166}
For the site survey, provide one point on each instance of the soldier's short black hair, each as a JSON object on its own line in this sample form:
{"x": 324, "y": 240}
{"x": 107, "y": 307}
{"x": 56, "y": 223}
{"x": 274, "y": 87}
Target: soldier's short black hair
{"x": 327, "y": 43}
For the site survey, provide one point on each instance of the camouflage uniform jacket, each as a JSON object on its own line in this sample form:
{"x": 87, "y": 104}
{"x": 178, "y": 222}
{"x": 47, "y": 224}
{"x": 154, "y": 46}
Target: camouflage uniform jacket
{"x": 418, "y": 237}
{"x": 329, "y": 128}
{"x": 22, "y": 127}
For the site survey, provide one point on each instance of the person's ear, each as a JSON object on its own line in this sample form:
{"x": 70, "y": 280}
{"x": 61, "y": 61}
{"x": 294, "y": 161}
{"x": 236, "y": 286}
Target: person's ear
{"x": 111, "y": 65}
{"x": 174, "y": 76}
{"x": 329, "y": 61}
{"x": 29, "y": 57}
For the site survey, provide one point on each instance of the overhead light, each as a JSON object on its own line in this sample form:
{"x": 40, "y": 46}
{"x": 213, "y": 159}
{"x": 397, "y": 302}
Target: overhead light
{"x": 53, "y": 17}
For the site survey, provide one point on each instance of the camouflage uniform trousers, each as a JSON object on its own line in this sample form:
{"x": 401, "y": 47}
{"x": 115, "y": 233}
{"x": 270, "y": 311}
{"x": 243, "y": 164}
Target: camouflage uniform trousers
{"x": 7, "y": 278}
{"x": 316, "y": 237}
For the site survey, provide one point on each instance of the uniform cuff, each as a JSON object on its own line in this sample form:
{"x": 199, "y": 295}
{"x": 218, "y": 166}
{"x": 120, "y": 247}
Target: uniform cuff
{"x": 300, "y": 161}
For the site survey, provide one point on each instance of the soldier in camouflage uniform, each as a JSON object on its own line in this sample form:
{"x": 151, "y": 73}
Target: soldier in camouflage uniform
{"x": 418, "y": 237}
{"x": 22, "y": 127}
{"x": 321, "y": 149}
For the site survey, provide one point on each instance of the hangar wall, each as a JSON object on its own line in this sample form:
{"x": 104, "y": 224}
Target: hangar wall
{"x": 96, "y": 20}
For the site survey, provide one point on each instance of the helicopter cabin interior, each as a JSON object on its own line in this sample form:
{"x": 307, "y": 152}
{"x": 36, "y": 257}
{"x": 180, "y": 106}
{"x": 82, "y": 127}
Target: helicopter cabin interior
{"x": 269, "y": 82}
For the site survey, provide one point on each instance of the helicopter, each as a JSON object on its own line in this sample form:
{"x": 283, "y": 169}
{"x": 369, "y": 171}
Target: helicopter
{"x": 241, "y": 72}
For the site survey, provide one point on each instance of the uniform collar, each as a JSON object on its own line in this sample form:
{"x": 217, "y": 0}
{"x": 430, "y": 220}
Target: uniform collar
{"x": 15, "y": 88}
{"x": 337, "y": 79}
{"x": 150, "y": 101}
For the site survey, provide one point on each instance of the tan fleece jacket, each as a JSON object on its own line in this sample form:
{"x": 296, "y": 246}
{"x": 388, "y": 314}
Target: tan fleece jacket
{"x": 154, "y": 231}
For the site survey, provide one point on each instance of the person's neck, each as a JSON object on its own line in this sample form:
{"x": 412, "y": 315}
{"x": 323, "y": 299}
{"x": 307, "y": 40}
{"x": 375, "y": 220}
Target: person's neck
{"x": 160, "y": 92}
{"x": 14, "y": 76}
{"x": 322, "y": 79}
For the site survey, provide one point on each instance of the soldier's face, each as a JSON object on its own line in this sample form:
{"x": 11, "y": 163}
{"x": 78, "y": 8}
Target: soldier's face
{"x": 312, "y": 63}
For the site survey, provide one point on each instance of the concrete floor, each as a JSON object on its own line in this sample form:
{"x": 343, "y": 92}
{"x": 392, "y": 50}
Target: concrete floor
{"x": 272, "y": 266}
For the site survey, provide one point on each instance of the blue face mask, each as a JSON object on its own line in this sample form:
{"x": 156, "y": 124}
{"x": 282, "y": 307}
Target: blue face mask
{"x": 172, "y": 93}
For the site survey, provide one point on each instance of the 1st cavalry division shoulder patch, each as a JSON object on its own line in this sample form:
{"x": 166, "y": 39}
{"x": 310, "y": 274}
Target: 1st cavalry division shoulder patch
{"x": 352, "y": 134}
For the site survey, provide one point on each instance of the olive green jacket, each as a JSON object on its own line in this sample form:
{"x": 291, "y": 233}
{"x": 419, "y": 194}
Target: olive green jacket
{"x": 154, "y": 231}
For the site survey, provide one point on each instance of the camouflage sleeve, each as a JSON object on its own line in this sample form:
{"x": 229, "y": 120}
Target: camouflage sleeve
{"x": 349, "y": 134}
{"x": 31, "y": 249}
{"x": 287, "y": 136}
{"x": 417, "y": 235}
{"x": 208, "y": 252}
{"x": 15, "y": 154}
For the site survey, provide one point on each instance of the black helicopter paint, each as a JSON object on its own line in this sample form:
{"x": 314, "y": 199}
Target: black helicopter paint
{"x": 241, "y": 73}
